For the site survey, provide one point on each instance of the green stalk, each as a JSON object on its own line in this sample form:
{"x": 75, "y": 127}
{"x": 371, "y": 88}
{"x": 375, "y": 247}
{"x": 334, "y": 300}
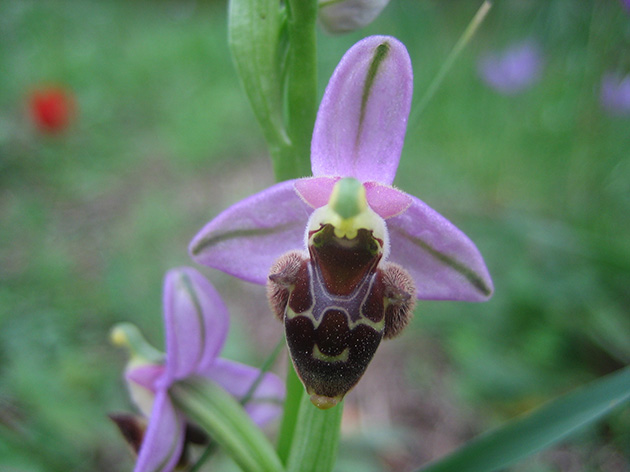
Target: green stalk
{"x": 464, "y": 39}
{"x": 301, "y": 89}
{"x": 295, "y": 393}
{"x": 316, "y": 438}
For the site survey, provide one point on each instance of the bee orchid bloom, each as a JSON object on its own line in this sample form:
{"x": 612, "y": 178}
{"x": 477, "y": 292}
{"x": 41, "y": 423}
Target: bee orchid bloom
{"x": 196, "y": 324}
{"x": 346, "y": 249}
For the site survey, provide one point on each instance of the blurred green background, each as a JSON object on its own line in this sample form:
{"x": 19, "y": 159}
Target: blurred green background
{"x": 91, "y": 218}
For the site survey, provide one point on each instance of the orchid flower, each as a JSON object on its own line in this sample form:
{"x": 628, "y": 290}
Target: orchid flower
{"x": 343, "y": 16}
{"x": 196, "y": 325}
{"x": 514, "y": 69}
{"x": 320, "y": 241}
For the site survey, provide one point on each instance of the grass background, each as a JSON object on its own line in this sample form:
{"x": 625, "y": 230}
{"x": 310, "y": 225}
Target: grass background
{"x": 164, "y": 139}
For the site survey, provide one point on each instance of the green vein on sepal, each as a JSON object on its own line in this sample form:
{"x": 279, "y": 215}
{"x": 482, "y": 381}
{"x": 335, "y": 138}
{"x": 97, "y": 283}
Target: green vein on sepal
{"x": 473, "y": 277}
{"x": 380, "y": 54}
{"x": 188, "y": 287}
{"x": 213, "y": 239}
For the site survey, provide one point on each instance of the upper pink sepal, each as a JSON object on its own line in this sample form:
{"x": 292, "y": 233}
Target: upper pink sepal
{"x": 362, "y": 120}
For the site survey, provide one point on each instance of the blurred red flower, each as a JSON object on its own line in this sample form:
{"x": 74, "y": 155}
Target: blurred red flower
{"x": 51, "y": 108}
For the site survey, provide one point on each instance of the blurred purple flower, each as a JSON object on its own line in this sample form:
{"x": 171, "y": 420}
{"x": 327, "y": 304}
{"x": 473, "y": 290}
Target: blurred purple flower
{"x": 512, "y": 70}
{"x": 196, "y": 325}
{"x": 359, "y": 133}
{"x": 626, "y": 3}
{"x": 615, "y": 93}
{"x": 343, "y": 16}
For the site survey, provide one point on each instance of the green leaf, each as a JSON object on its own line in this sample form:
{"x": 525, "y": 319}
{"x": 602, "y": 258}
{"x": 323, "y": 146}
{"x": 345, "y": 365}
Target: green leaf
{"x": 316, "y": 438}
{"x": 539, "y": 429}
{"x": 254, "y": 37}
{"x": 221, "y": 415}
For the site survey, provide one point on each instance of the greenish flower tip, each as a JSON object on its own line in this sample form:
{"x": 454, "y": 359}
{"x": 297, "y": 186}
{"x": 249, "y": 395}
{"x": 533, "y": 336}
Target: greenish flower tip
{"x": 128, "y": 335}
{"x": 348, "y": 198}
{"x": 348, "y": 211}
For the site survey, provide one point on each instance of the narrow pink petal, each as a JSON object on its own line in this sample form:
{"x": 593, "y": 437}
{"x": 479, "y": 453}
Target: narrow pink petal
{"x": 248, "y": 237}
{"x": 386, "y": 201}
{"x": 164, "y": 439}
{"x": 142, "y": 382}
{"x": 237, "y": 379}
{"x": 145, "y": 375}
{"x": 443, "y": 262}
{"x": 383, "y": 199}
{"x": 315, "y": 191}
{"x": 196, "y": 323}
{"x": 361, "y": 123}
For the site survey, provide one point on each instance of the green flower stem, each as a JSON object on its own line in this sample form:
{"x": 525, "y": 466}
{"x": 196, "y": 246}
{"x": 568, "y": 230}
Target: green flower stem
{"x": 464, "y": 39}
{"x": 316, "y": 438}
{"x": 295, "y": 393}
{"x": 264, "y": 368}
{"x": 224, "y": 419}
{"x": 301, "y": 89}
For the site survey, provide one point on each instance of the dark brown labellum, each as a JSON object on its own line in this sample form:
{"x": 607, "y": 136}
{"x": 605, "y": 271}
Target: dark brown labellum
{"x": 336, "y": 307}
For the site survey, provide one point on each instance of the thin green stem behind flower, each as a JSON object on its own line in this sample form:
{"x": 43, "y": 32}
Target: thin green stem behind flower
{"x": 464, "y": 39}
